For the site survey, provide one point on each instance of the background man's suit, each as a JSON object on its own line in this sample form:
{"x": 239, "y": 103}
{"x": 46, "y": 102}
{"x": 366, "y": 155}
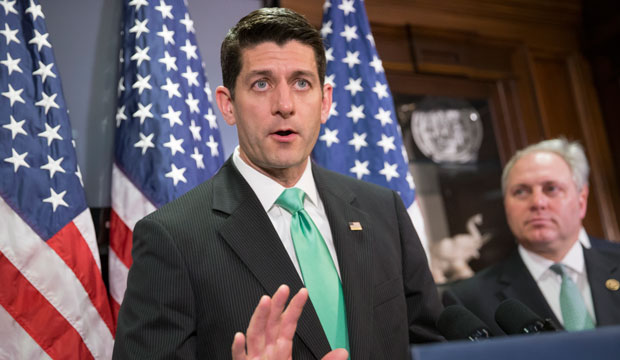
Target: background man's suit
{"x": 201, "y": 264}
{"x": 511, "y": 279}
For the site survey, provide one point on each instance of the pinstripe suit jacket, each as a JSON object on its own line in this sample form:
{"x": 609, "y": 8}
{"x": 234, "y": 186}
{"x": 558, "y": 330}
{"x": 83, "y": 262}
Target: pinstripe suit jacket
{"x": 202, "y": 262}
{"x": 511, "y": 279}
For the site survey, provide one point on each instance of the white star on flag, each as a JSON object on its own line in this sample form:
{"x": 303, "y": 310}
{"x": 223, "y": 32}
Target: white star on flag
{"x": 56, "y": 199}
{"x": 176, "y": 174}
{"x": 330, "y": 137}
{"x": 17, "y": 160}
{"x": 16, "y": 127}
{"x": 53, "y": 166}
{"x": 51, "y": 133}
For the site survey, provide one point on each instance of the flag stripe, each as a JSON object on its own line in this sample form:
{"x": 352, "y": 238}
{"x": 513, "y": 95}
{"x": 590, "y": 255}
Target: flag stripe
{"x": 16, "y": 342}
{"x": 127, "y": 200}
{"x": 120, "y": 239}
{"x": 118, "y": 281}
{"x": 37, "y": 316}
{"x": 73, "y": 250}
{"x": 47, "y": 273}
{"x": 84, "y": 224}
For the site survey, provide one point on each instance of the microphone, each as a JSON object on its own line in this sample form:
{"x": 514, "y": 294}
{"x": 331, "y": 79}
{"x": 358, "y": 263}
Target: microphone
{"x": 514, "y": 317}
{"x": 458, "y": 323}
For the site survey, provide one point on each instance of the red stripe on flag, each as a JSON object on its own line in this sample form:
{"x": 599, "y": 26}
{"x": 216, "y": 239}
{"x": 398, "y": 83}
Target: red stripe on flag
{"x": 116, "y": 307}
{"x": 37, "y": 316}
{"x": 69, "y": 244}
{"x": 120, "y": 239}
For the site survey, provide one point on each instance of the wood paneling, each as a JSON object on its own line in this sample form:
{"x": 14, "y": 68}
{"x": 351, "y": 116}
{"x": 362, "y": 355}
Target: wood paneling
{"x": 524, "y": 56}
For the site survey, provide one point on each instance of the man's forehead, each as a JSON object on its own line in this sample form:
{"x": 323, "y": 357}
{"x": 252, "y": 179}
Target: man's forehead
{"x": 542, "y": 166}
{"x": 249, "y": 53}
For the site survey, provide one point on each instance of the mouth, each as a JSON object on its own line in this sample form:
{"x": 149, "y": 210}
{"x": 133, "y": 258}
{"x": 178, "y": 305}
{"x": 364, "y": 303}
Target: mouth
{"x": 538, "y": 222}
{"x": 284, "y": 135}
{"x": 284, "y": 132}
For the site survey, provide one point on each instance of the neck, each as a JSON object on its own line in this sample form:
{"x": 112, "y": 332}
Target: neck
{"x": 286, "y": 177}
{"x": 554, "y": 254}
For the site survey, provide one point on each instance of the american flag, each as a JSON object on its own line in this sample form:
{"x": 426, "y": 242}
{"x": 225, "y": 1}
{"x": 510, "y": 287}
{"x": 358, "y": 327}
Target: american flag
{"x": 167, "y": 138}
{"x": 361, "y": 137}
{"x": 53, "y": 302}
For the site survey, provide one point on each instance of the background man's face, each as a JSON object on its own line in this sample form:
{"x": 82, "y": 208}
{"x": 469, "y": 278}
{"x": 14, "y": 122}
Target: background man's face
{"x": 543, "y": 206}
{"x": 279, "y": 105}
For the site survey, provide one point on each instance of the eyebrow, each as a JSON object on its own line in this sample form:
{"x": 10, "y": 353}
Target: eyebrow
{"x": 269, "y": 73}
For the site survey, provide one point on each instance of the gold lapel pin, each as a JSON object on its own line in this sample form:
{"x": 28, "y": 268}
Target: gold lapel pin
{"x": 355, "y": 226}
{"x": 612, "y": 284}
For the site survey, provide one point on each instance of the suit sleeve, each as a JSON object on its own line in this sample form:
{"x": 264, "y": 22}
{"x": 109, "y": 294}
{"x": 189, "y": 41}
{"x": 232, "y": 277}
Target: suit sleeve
{"x": 156, "y": 319}
{"x": 423, "y": 304}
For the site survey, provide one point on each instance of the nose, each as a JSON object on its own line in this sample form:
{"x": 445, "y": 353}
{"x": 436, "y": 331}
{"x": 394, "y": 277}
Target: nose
{"x": 283, "y": 102}
{"x": 538, "y": 199}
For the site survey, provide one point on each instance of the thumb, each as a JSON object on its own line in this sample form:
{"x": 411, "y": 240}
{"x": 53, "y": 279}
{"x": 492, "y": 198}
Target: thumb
{"x": 338, "y": 354}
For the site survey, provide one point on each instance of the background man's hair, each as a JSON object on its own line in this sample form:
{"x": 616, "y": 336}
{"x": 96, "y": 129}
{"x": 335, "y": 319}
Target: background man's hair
{"x": 279, "y": 25}
{"x": 571, "y": 151}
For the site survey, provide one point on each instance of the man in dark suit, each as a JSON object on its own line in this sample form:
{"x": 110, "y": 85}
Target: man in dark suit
{"x": 545, "y": 196}
{"x": 202, "y": 263}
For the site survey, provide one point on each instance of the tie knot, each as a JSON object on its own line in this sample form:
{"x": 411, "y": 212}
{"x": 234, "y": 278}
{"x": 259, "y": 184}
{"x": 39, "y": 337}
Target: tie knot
{"x": 557, "y": 268}
{"x": 292, "y": 200}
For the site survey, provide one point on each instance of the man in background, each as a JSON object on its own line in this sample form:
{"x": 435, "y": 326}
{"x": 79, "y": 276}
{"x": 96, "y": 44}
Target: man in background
{"x": 270, "y": 217}
{"x": 545, "y": 189}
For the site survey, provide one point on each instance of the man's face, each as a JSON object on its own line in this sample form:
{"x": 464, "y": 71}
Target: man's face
{"x": 279, "y": 106}
{"x": 543, "y": 206}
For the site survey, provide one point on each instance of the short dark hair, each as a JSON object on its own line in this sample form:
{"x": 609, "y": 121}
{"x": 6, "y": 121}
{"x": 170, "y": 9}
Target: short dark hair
{"x": 279, "y": 25}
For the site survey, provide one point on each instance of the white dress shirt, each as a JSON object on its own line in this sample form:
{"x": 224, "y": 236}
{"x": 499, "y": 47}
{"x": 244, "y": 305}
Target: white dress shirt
{"x": 550, "y": 282}
{"x": 268, "y": 190}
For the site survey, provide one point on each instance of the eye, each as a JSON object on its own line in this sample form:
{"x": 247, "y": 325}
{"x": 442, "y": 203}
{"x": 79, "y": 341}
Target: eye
{"x": 302, "y": 84}
{"x": 261, "y": 85}
{"x": 520, "y": 192}
{"x": 551, "y": 189}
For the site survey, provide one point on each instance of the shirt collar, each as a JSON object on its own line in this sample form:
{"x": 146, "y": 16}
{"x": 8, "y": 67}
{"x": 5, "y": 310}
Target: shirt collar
{"x": 538, "y": 265}
{"x": 268, "y": 190}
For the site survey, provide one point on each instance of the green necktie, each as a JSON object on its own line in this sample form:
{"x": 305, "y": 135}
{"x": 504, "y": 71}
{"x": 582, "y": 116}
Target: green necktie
{"x": 317, "y": 269}
{"x": 574, "y": 312}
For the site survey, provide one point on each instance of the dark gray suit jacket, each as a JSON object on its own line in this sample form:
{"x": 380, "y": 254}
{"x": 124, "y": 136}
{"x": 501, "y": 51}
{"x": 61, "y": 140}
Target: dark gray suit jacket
{"x": 510, "y": 279}
{"x": 202, "y": 262}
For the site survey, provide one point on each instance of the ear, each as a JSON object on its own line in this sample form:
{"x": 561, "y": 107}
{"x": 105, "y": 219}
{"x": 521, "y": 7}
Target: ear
{"x": 225, "y": 104}
{"x": 583, "y": 201}
{"x": 326, "y": 103}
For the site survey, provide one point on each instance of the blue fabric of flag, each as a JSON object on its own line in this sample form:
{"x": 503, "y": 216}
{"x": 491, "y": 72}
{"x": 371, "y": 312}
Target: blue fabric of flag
{"x": 167, "y": 139}
{"x": 361, "y": 137}
{"x": 39, "y": 175}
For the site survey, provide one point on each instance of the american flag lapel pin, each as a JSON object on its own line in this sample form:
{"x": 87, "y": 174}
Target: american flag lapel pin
{"x": 355, "y": 226}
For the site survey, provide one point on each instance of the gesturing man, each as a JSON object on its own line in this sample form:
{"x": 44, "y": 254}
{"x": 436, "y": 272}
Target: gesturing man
{"x": 270, "y": 217}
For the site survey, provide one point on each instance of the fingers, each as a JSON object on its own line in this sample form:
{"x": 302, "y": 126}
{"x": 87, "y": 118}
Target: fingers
{"x": 238, "y": 347}
{"x": 338, "y": 354}
{"x": 278, "y": 301}
{"x": 272, "y": 328}
{"x": 292, "y": 313}
{"x": 256, "y": 328}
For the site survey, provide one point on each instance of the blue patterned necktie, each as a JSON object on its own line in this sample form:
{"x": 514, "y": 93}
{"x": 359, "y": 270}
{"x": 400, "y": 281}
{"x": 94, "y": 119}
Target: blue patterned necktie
{"x": 574, "y": 312}
{"x": 317, "y": 269}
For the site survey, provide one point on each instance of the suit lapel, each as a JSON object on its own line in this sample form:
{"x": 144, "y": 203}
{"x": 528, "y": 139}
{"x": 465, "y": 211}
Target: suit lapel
{"x": 520, "y": 285}
{"x": 250, "y": 233}
{"x": 606, "y": 302}
{"x": 354, "y": 251}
